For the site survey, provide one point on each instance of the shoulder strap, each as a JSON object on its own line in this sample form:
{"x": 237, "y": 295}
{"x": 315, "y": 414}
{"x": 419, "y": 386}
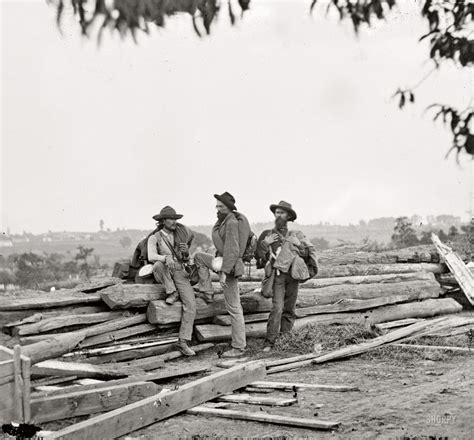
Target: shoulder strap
{"x": 172, "y": 249}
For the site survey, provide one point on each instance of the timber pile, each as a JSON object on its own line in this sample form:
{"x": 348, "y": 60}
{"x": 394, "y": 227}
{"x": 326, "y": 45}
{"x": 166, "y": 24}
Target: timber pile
{"x": 360, "y": 287}
{"x": 102, "y": 347}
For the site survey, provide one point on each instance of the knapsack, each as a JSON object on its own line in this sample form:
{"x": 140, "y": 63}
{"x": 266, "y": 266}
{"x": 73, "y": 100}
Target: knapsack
{"x": 251, "y": 248}
{"x": 251, "y": 240}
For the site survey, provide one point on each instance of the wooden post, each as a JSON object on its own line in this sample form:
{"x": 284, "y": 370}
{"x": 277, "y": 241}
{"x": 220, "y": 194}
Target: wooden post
{"x": 18, "y": 393}
{"x": 26, "y": 373}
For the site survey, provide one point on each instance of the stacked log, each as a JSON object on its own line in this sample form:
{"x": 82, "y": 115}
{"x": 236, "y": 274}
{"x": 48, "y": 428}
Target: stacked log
{"x": 108, "y": 321}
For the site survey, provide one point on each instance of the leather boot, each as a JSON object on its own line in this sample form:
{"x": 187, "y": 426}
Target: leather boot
{"x": 184, "y": 348}
{"x": 172, "y": 298}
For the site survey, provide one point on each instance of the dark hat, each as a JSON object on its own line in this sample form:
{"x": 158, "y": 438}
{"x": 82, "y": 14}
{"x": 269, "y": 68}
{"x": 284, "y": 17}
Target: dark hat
{"x": 287, "y": 207}
{"x": 227, "y": 199}
{"x": 167, "y": 212}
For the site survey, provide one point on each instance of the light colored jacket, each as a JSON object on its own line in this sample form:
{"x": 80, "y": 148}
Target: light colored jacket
{"x": 294, "y": 244}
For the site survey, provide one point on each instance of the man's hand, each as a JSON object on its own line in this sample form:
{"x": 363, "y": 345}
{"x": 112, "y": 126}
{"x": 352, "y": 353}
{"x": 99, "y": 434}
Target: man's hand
{"x": 171, "y": 264}
{"x": 270, "y": 239}
{"x": 183, "y": 247}
{"x": 223, "y": 279}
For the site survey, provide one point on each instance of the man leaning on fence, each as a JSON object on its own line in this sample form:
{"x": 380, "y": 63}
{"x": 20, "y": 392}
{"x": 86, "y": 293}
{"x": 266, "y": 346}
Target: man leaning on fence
{"x": 168, "y": 249}
{"x": 230, "y": 235}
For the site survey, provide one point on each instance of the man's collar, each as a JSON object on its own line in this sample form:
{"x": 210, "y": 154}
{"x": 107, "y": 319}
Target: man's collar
{"x": 283, "y": 231}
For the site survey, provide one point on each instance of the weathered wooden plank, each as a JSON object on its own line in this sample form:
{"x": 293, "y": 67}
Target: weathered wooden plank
{"x": 344, "y": 256}
{"x": 125, "y": 296}
{"x": 434, "y": 347}
{"x": 26, "y": 392}
{"x": 118, "y": 335}
{"x": 427, "y": 308}
{"x": 47, "y": 301}
{"x": 133, "y": 353}
{"x": 332, "y": 294}
{"x": 54, "y": 380}
{"x": 349, "y": 305}
{"x": 254, "y": 317}
{"x": 97, "y": 283}
{"x": 137, "y": 415}
{"x": 85, "y": 402}
{"x": 93, "y": 330}
{"x": 81, "y": 369}
{"x": 317, "y": 283}
{"x": 461, "y": 272}
{"x": 290, "y": 386}
{"x": 6, "y": 369}
{"x": 162, "y": 375}
{"x": 7, "y": 403}
{"x": 18, "y": 380}
{"x": 52, "y": 347}
{"x": 261, "y": 416}
{"x": 154, "y": 362}
{"x": 56, "y": 322}
{"x": 38, "y": 315}
{"x": 158, "y": 312}
{"x": 119, "y": 348}
{"x": 397, "y": 323}
{"x": 258, "y": 400}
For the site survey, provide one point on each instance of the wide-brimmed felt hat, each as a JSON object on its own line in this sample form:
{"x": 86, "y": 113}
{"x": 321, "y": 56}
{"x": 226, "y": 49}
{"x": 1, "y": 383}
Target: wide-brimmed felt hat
{"x": 167, "y": 212}
{"x": 227, "y": 199}
{"x": 287, "y": 207}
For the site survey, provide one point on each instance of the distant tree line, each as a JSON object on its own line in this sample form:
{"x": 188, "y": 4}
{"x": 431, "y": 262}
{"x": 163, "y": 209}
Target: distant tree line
{"x": 404, "y": 235}
{"x": 32, "y": 270}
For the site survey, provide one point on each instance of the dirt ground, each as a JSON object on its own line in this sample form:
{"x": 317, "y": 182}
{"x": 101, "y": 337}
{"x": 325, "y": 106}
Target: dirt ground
{"x": 403, "y": 394}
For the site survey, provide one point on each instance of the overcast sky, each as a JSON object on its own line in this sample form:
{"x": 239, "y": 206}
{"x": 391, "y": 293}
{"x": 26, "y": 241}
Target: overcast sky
{"x": 282, "y": 106}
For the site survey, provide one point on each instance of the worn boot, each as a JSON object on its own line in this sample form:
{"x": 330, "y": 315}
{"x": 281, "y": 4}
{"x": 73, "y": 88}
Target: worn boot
{"x": 172, "y": 298}
{"x": 234, "y": 353}
{"x": 184, "y": 348}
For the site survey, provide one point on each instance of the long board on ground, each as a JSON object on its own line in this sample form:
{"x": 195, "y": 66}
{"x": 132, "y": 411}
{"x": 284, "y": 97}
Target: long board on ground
{"x": 258, "y": 400}
{"x": 352, "y": 350}
{"x": 129, "y": 418}
{"x": 260, "y": 416}
{"x": 290, "y": 386}
{"x": 85, "y": 402}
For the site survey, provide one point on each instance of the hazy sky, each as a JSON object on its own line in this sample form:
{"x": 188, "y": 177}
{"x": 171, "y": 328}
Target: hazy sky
{"x": 282, "y": 106}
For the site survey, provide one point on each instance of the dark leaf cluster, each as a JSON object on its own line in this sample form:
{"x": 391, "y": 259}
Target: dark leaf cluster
{"x": 461, "y": 125}
{"x": 128, "y": 17}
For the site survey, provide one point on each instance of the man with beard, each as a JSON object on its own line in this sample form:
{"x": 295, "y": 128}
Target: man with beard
{"x": 277, "y": 251}
{"x": 230, "y": 235}
{"x": 168, "y": 249}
